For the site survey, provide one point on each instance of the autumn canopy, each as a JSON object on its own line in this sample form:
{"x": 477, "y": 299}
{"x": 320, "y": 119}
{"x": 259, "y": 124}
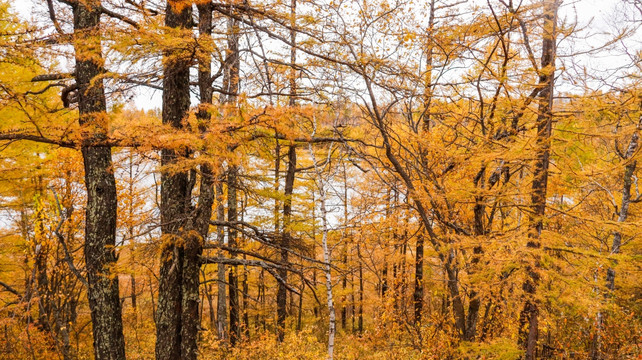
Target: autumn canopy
{"x": 320, "y": 179}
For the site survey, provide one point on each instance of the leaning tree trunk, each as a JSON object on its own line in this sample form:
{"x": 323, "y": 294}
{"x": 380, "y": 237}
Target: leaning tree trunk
{"x": 529, "y": 317}
{"x": 100, "y": 230}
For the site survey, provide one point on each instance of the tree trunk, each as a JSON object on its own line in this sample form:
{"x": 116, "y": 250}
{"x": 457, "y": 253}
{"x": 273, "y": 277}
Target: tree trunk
{"x": 418, "y": 294}
{"x": 281, "y": 297}
{"x": 175, "y": 198}
{"x": 332, "y": 327}
{"x": 235, "y": 331}
{"x": 133, "y": 291}
{"x": 231, "y": 88}
{"x": 627, "y": 182}
{"x": 221, "y": 307}
{"x": 360, "y": 322}
{"x": 529, "y": 316}
{"x": 101, "y": 210}
{"x": 193, "y": 240}
{"x": 246, "y": 316}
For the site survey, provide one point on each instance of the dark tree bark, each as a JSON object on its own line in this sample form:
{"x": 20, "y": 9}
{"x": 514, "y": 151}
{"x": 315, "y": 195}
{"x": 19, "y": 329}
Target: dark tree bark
{"x": 133, "y": 290}
{"x": 282, "y": 292}
{"x": 360, "y": 322}
{"x": 232, "y": 216}
{"x": 197, "y": 227}
{"x": 246, "y": 316}
{"x": 221, "y": 306}
{"x": 281, "y": 295}
{"x": 101, "y": 210}
{"x": 190, "y": 320}
{"x": 344, "y": 285}
{"x": 175, "y": 197}
{"x": 418, "y": 294}
{"x": 529, "y": 317}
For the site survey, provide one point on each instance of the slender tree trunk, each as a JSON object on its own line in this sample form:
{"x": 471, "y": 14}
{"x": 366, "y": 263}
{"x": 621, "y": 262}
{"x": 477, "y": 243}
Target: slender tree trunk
{"x": 529, "y": 316}
{"x": 314, "y": 241}
{"x": 260, "y": 318}
{"x": 300, "y": 307}
{"x": 246, "y": 317}
{"x": 221, "y": 307}
{"x": 327, "y": 258}
{"x": 360, "y": 322}
{"x": 210, "y": 303}
{"x": 232, "y": 216}
{"x": 418, "y": 294}
{"x": 281, "y": 298}
{"x": 344, "y": 285}
{"x": 40, "y": 255}
{"x": 627, "y": 181}
{"x": 230, "y": 90}
{"x": 133, "y": 292}
{"x": 100, "y": 229}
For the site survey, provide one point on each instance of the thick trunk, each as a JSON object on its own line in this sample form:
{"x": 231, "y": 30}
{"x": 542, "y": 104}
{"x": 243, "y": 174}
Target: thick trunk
{"x": 197, "y": 229}
{"x": 175, "y": 199}
{"x": 100, "y": 255}
{"x": 192, "y": 249}
{"x": 100, "y": 230}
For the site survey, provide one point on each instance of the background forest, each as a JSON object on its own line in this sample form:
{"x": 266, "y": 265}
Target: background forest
{"x": 311, "y": 179}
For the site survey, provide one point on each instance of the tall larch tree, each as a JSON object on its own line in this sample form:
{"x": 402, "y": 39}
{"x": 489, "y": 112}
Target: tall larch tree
{"x": 529, "y": 317}
{"x": 101, "y": 210}
{"x": 175, "y": 186}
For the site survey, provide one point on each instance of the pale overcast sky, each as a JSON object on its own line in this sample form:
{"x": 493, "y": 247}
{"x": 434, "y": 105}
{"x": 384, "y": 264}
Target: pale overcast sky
{"x": 600, "y": 14}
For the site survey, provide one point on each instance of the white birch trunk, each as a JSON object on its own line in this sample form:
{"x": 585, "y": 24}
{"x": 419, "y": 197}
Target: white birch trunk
{"x": 326, "y": 253}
